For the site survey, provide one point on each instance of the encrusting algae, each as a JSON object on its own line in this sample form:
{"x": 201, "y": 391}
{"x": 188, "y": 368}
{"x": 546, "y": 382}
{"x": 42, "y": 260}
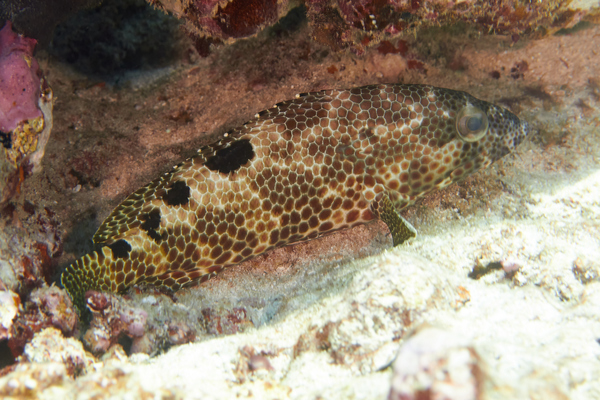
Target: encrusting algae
{"x": 322, "y": 162}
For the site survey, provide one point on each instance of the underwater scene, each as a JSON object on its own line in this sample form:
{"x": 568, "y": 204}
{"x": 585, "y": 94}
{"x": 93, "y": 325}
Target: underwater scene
{"x": 300, "y": 199}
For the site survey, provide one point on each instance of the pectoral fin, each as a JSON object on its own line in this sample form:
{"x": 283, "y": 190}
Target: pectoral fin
{"x": 401, "y": 229}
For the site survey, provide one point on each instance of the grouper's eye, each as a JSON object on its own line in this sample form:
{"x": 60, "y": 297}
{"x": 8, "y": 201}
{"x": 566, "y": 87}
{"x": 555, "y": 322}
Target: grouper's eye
{"x": 471, "y": 124}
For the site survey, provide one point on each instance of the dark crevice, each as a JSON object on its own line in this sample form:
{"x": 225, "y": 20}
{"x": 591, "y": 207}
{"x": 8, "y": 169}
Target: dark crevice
{"x": 115, "y": 37}
{"x": 126, "y": 342}
{"x": 291, "y": 22}
{"x": 6, "y": 356}
{"x": 5, "y": 140}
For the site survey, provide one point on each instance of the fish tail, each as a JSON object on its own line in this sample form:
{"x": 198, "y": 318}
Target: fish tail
{"x": 90, "y": 272}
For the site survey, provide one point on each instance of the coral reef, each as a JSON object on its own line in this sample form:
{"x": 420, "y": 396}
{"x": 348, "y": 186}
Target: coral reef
{"x": 356, "y": 25}
{"x": 46, "y": 307}
{"x": 338, "y": 23}
{"x": 324, "y": 321}
{"x": 344, "y": 24}
{"x": 25, "y": 112}
{"x": 146, "y": 326}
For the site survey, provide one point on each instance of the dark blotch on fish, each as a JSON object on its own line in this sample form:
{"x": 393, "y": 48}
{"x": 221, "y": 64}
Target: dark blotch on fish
{"x": 231, "y": 158}
{"x": 151, "y": 224}
{"x": 177, "y": 195}
{"x": 120, "y": 248}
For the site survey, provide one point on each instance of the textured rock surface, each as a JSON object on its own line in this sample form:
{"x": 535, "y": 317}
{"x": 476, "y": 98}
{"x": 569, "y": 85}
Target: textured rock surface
{"x": 45, "y": 307}
{"x": 358, "y": 24}
{"x": 110, "y": 319}
{"x": 30, "y": 238}
{"x": 49, "y": 346}
{"x": 436, "y": 364}
{"x": 227, "y": 20}
{"x": 29, "y": 379}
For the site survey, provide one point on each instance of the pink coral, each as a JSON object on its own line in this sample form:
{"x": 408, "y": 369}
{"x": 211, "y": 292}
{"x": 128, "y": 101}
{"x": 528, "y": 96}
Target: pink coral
{"x": 25, "y": 112}
{"x": 20, "y": 77}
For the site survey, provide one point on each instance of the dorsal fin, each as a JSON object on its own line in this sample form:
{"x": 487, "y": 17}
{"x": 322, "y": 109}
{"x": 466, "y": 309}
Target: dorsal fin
{"x": 127, "y": 215}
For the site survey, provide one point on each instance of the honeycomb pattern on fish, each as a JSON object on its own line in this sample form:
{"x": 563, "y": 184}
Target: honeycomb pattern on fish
{"x": 310, "y": 166}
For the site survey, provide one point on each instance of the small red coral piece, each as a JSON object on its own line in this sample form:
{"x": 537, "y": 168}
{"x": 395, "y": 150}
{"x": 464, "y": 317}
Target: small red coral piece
{"x": 386, "y": 47}
{"x": 96, "y": 301}
{"x": 414, "y": 64}
{"x": 241, "y": 18}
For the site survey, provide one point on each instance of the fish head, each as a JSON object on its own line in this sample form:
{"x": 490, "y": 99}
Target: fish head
{"x": 492, "y": 130}
{"x": 478, "y": 133}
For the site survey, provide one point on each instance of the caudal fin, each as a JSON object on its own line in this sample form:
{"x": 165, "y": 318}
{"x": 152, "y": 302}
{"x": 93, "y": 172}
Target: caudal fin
{"x": 90, "y": 272}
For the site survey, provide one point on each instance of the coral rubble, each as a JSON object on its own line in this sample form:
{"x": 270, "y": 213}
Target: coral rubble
{"x": 30, "y": 241}
{"x": 47, "y": 307}
{"x": 49, "y": 346}
{"x": 146, "y": 326}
